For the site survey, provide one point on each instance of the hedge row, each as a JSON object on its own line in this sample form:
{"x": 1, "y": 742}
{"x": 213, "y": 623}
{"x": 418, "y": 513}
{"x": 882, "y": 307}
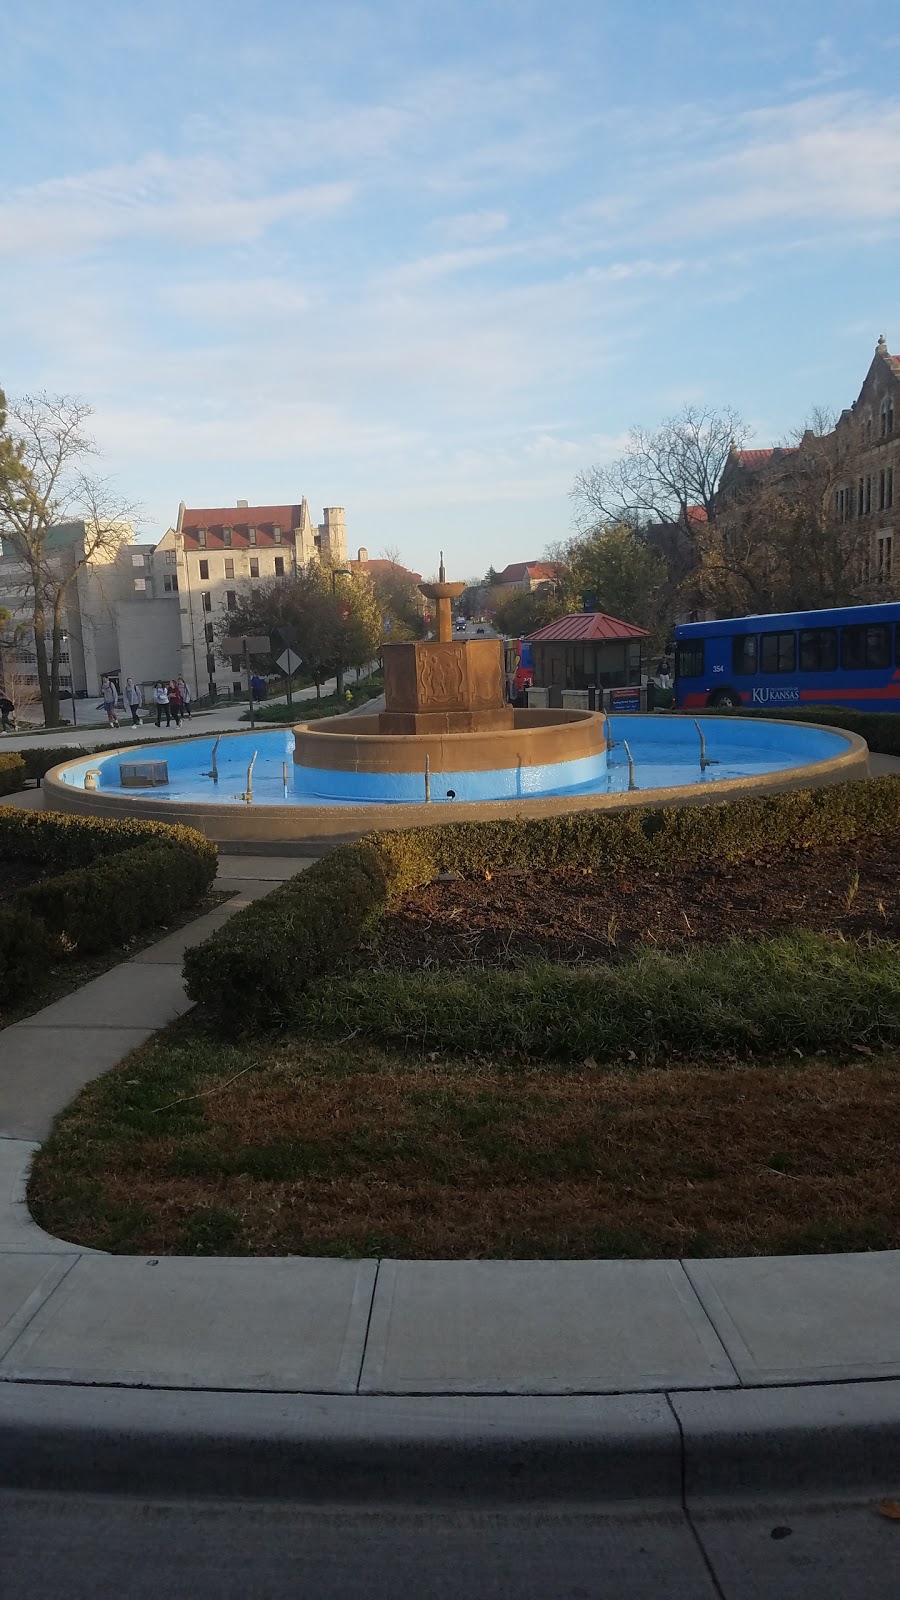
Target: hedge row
{"x": 122, "y": 877}
{"x": 260, "y": 965}
{"x": 12, "y": 771}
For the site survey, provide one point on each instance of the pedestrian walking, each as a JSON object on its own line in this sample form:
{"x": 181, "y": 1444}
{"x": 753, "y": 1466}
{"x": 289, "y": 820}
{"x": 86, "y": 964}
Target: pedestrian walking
{"x": 665, "y": 673}
{"x": 176, "y": 705}
{"x": 110, "y": 699}
{"x": 7, "y": 713}
{"x": 161, "y": 702}
{"x": 185, "y": 693}
{"x": 134, "y": 699}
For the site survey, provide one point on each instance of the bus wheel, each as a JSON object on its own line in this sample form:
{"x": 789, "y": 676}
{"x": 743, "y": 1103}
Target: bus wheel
{"x": 725, "y": 697}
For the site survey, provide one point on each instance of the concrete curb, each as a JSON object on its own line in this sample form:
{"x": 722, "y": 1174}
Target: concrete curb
{"x": 832, "y": 1441}
{"x": 340, "y": 1448}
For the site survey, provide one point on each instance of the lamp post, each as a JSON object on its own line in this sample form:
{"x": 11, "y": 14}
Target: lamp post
{"x": 339, "y": 572}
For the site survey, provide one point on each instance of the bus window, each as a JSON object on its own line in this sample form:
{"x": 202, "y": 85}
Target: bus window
{"x": 743, "y": 653}
{"x": 818, "y": 650}
{"x": 866, "y": 649}
{"x": 690, "y": 658}
{"x": 777, "y": 652}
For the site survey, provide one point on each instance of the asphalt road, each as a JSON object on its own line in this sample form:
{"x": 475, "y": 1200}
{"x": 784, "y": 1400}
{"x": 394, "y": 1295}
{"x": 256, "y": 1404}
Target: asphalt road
{"x": 84, "y": 1547}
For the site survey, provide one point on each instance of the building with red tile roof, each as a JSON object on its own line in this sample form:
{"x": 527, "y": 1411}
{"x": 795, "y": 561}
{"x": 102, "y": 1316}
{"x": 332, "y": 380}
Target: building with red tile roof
{"x": 529, "y": 575}
{"x": 585, "y": 650}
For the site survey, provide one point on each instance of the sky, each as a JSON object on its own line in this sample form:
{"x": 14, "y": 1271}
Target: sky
{"x": 429, "y": 260}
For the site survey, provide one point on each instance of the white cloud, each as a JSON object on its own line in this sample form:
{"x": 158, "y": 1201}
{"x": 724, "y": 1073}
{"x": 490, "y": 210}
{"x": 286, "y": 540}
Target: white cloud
{"x": 196, "y": 201}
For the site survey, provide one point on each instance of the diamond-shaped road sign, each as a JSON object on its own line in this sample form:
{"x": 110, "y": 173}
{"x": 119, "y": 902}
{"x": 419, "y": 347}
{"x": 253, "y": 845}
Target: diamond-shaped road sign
{"x": 289, "y": 663}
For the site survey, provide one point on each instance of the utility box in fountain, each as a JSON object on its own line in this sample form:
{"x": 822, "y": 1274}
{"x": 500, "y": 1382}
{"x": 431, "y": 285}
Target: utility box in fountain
{"x": 143, "y": 774}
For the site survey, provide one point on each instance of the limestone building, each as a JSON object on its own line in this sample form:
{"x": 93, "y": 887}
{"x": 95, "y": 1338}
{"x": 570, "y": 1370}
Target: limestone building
{"x": 211, "y": 554}
{"x": 868, "y": 439}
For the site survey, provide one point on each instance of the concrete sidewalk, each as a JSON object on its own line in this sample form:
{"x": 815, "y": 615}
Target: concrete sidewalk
{"x": 716, "y": 1368}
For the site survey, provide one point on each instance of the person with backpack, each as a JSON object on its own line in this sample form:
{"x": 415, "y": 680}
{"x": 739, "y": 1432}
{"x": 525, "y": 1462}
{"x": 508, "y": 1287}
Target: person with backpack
{"x": 109, "y": 697}
{"x": 161, "y": 702}
{"x": 133, "y": 699}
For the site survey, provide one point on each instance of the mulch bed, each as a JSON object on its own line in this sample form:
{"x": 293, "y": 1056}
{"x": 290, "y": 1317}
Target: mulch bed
{"x": 572, "y": 914}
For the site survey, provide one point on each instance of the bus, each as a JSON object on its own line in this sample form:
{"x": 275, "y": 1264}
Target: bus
{"x": 849, "y": 656}
{"x": 518, "y": 666}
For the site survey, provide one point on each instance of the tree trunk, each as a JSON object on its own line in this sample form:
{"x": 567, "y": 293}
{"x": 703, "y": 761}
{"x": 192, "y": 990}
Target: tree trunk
{"x": 56, "y": 650}
{"x": 40, "y": 645}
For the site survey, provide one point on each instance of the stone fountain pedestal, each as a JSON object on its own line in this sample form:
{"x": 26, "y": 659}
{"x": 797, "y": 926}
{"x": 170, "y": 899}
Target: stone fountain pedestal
{"x": 444, "y": 685}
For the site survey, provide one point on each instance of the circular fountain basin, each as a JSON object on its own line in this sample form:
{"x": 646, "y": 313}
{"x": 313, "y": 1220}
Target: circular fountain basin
{"x": 747, "y": 755}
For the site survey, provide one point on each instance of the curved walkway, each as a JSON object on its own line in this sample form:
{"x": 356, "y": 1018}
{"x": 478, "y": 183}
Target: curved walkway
{"x": 657, "y": 1374}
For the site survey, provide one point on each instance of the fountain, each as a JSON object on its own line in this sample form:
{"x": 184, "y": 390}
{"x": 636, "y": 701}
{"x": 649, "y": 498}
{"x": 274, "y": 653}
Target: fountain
{"x": 447, "y": 747}
{"x": 446, "y": 714}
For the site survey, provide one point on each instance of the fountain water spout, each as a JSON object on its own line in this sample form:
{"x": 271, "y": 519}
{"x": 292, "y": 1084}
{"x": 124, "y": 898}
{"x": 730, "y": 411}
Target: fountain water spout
{"x": 705, "y": 760}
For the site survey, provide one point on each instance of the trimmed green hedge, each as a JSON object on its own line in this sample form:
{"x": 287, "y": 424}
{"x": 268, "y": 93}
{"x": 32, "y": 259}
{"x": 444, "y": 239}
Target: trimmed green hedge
{"x": 261, "y": 964}
{"x": 12, "y": 771}
{"x": 110, "y": 880}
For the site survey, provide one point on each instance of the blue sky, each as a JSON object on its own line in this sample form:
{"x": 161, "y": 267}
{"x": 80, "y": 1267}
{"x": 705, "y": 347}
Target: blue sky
{"x": 429, "y": 260}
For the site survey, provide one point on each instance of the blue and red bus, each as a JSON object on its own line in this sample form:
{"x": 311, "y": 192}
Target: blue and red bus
{"x": 849, "y": 656}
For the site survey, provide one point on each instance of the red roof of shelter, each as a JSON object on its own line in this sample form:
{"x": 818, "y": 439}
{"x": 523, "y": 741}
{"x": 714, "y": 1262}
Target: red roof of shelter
{"x": 585, "y": 626}
{"x": 238, "y": 519}
{"x": 517, "y": 570}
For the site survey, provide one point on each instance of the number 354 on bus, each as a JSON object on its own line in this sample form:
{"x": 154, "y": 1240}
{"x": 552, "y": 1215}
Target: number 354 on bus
{"x": 849, "y": 657}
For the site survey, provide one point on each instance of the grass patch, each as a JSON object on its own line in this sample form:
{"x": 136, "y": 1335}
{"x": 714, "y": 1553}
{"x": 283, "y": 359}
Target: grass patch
{"x": 289, "y": 1146}
{"x": 328, "y": 705}
{"x": 802, "y": 990}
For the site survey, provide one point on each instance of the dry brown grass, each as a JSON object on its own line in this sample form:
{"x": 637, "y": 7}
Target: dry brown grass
{"x": 316, "y": 1151}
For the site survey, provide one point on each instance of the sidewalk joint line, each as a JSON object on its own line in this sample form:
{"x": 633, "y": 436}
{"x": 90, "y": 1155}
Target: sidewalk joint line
{"x": 365, "y": 1344}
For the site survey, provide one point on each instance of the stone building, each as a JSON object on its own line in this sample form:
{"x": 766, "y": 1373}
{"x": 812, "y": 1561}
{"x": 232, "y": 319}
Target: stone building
{"x": 211, "y": 554}
{"x": 868, "y": 441}
{"x": 530, "y": 575}
{"x": 118, "y": 616}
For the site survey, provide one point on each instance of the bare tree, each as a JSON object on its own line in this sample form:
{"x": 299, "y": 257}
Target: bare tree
{"x": 662, "y": 474}
{"x": 45, "y": 453}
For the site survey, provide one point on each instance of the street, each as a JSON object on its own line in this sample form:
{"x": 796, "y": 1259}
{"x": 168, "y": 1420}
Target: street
{"x": 82, "y": 1547}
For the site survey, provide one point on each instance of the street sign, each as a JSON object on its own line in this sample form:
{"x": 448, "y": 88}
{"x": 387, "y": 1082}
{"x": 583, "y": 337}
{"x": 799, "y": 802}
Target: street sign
{"x": 253, "y": 644}
{"x": 289, "y": 663}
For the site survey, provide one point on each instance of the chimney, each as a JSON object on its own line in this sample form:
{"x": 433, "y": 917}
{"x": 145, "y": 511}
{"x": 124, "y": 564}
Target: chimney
{"x": 362, "y": 555}
{"x": 243, "y": 505}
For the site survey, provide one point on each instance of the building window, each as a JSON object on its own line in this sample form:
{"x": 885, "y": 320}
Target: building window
{"x": 251, "y": 535}
{"x": 229, "y": 566}
{"x": 885, "y": 557}
{"x": 279, "y": 566}
{"x": 171, "y": 558}
{"x": 64, "y": 657}
{"x": 886, "y": 489}
{"x": 206, "y": 600}
{"x": 254, "y": 566}
{"x": 777, "y": 652}
{"x": 209, "y": 632}
{"x": 231, "y": 600}
{"x": 137, "y": 561}
{"x": 170, "y": 583}
{"x": 887, "y": 417}
{"x": 842, "y": 501}
{"x": 276, "y": 534}
{"x": 226, "y": 537}
{"x": 204, "y": 572}
{"x": 140, "y": 583}
{"x": 211, "y": 665}
{"x": 201, "y": 538}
